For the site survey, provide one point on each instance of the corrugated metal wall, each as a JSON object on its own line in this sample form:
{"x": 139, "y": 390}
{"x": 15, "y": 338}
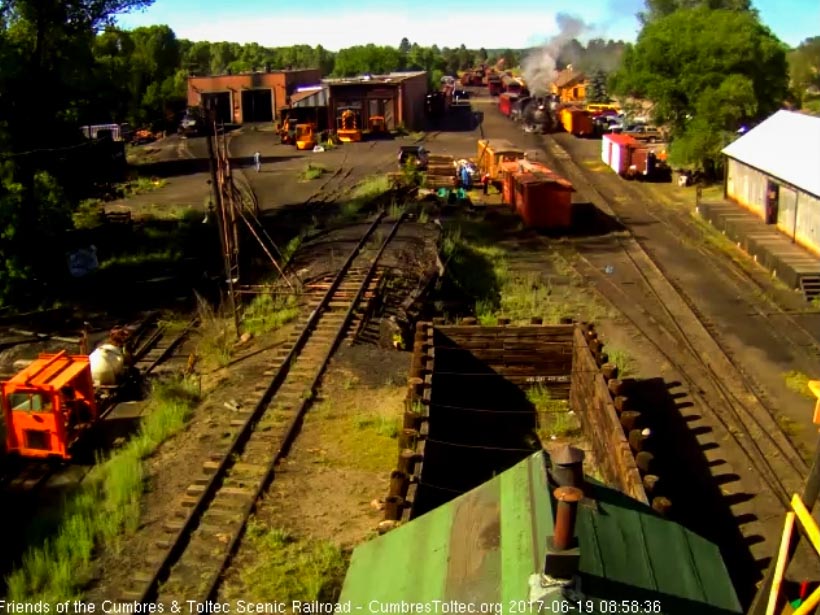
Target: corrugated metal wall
{"x": 746, "y": 186}
{"x": 786, "y": 210}
{"x": 807, "y": 233}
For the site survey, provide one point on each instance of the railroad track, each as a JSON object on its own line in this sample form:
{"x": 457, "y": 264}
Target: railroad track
{"x": 188, "y": 562}
{"x": 732, "y": 403}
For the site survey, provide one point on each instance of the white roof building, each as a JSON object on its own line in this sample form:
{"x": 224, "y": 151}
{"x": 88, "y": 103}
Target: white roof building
{"x": 785, "y": 146}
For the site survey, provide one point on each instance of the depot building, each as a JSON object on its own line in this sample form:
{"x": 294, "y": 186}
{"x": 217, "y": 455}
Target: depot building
{"x": 397, "y": 97}
{"x": 249, "y": 97}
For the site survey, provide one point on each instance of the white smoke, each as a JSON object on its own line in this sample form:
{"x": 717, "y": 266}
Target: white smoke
{"x": 538, "y": 68}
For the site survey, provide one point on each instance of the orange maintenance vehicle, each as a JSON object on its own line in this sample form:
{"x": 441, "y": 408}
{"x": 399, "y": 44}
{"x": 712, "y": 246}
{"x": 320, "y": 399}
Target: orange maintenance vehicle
{"x": 348, "y": 126}
{"x": 48, "y": 405}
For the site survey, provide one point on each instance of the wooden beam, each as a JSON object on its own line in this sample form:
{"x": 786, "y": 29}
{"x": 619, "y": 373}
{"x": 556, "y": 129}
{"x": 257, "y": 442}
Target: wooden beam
{"x": 780, "y": 566}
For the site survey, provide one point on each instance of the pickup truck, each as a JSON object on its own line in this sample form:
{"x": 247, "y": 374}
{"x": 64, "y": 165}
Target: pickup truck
{"x": 644, "y": 133}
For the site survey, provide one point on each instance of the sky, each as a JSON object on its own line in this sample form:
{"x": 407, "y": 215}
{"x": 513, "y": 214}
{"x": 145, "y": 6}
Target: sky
{"x": 446, "y": 23}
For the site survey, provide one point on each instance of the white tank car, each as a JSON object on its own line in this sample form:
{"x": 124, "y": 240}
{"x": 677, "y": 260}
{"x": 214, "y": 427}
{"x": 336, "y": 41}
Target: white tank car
{"x": 107, "y": 365}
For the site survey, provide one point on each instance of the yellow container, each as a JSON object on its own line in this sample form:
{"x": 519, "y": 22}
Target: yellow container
{"x": 492, "y": 152}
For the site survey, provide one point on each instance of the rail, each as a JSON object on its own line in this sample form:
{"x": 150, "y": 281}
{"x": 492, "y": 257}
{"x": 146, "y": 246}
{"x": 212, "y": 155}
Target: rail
{"x": 171, "y": 567}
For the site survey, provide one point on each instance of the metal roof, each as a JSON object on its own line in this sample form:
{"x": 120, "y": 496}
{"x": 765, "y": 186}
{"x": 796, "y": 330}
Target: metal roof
{"x": 390, "y": 78}
{"x": 51, "y": 371}
{"x": 483, "y": 547}
{"x": 785, "y": 146}
{"x": 314, "y": 97}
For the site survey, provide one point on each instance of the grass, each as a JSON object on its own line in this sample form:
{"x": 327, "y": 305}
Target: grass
{"x": 481, "y": 269}
{"x": 625, "y": 363}
{"x": 217, "y": 337}
{"x": 790, "y": 427}
{"x": 89, "y": 214}
{"x": 105, "y": 508}
{"x": 311, "y": 172}
{"x": 140, "y": 259}
{"x": 288, "y": 568}
{"x": 555, "y": 419}
{"x": 141, "y": 185}
{"x": 799, "y": 383}
{"x": 358, "y": 424}
{"x": 269, "y": 312}
{"x": 371, "y": 187}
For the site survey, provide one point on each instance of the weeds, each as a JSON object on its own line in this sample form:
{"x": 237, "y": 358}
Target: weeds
{"x": 89, "y": 214}
{"x": 395, "y": 211}
{"x": 424, "y": 217}
{"x": 268, "y": 312}
{"x": 140, "y": 259}
{"x": 382, "y": 425}
{"x": 555, "y": 419}
{"x": 216, "y": 336}
{"x": 105, "y": 508}
{"x": 288, "y": 568}
{"x": 371, "y": 187}
{"x": 799, "y": 383}
{"x": 625, "y": 363}
{"x": 312, "y": 171}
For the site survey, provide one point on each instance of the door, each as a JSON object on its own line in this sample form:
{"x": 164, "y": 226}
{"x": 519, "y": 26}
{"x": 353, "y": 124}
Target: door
{"x": 772, "y": 202}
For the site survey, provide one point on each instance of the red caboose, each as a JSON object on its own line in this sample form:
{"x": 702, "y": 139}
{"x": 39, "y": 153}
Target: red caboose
{"x": 48, "y": 405}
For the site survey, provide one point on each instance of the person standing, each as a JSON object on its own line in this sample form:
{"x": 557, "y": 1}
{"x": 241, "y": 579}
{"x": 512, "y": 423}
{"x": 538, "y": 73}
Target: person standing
{"x": 257, "y": 160}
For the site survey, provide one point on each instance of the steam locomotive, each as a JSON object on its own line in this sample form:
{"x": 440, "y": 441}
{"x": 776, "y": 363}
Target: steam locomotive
{"x": 537, "y": 114}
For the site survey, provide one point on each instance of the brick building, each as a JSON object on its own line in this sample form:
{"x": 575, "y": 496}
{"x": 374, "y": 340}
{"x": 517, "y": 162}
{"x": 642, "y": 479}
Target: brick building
{"x": 398, "y": 97}
{"x": 249, "y": 97}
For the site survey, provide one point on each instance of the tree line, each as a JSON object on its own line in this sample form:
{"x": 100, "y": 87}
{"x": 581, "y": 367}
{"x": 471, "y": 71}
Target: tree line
{"x": 711, "y": 68}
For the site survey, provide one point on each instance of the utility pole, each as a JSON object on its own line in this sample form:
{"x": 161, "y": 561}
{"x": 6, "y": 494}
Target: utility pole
{"x": 219, "y": 206}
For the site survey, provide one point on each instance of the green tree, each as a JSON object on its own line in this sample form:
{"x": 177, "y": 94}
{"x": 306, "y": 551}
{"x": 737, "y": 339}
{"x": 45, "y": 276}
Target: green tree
{"x": 597, "y": 91}
{"x": 658, "y": 9}
{"x": 804, "y": 67}
{"x": 707, "y": 73}
{"x": 404, "y": 46}
{"x": 482, "y": 55}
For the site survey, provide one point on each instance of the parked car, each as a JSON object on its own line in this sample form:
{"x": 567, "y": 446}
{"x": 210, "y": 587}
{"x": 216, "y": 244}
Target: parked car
{"x": 642, "y": 132}
{"x": 415, "y": 155}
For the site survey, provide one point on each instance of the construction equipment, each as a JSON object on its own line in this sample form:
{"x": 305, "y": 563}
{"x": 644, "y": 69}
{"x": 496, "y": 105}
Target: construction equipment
{"x": 57, "y": 397}
{"x": 348, "y": 126}
{"x": 305, "y": 136}
{"x": 287, "y": 131}
{"x": 377, "y": 125}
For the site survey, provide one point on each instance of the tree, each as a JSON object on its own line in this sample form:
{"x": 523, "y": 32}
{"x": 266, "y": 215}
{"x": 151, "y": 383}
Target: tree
{"x": 804, "y": 67}
{"x": 482, "y": 55}
{"x": 658, "y": 9}
{"x": 598, "y": 92}
{"x": 707, "y": 73}
{"x": 404, "y": 46}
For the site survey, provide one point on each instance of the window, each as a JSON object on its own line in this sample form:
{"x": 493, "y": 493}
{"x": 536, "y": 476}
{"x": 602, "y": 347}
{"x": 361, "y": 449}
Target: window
{"x": 29, "y": 402}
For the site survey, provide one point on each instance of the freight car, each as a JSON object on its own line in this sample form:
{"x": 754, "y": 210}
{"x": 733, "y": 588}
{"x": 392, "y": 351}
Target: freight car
{"x": 506, "y": 101}
{"x": 632, "y": 160}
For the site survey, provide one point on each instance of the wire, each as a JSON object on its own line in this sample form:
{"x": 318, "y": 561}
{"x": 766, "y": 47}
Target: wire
{"x": 439, "y": 488}
{"x": 478, "y": 447}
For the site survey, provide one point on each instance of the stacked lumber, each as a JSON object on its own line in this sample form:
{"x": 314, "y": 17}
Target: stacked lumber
{"x": 441, "y": 172}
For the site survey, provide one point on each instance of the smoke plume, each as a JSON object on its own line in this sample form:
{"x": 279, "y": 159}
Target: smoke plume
{"x": 538, "y": 68}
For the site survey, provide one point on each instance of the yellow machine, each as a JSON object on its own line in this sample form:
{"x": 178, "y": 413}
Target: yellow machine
{"x": 377, "y": 125}
{"x": 348, "y": 127}
{"x": 305, "y": 136}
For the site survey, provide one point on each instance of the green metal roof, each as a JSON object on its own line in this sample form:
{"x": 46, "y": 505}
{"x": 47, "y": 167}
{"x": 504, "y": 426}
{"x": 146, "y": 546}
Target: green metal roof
{"x": 484, "y": 546}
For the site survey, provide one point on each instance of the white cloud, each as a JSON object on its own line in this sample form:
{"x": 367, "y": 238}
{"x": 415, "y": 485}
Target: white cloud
{"x": 446, "y": 29}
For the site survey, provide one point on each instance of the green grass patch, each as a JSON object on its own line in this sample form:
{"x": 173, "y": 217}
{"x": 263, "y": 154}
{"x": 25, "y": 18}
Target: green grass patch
{"x": 555, "y": 419}
{"x": 790, "y": 427}
{"x": 799, "y": 383}
{"x": 480, "y": 268}
{"x": 371, "y": 187}
{"x": 140, "y": 259}
{"x": 88, "y": 214}
{"x": 355, "y": 438}
{"x": 621, "y": 358}
{"x": 269, "y": 312}
{"x": 312, "y": 171}
{"x": 141, "y": 185}
{"x": 284, "y": 567}
{"x": 105, "y": 508}
{"x": 382, "y": 425}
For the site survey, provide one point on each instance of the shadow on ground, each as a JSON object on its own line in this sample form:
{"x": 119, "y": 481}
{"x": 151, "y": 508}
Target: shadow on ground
{"x": 693, "y": 483}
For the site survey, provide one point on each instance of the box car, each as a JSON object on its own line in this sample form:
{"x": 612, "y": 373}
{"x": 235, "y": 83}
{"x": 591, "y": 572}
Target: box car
{"x": 543, "y": 200}
{"x": 505, "y": 102}
{"x": 577, "y": 122}
{"x": 491, "y": 153}
{"x": 617, "y": 151}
